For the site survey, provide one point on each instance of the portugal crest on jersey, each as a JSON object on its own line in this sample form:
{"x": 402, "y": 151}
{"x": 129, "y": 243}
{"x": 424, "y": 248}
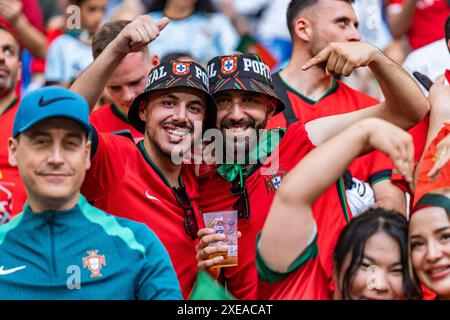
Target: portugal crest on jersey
{"x": 180, "y": 68}
{"x": 94, "y": 263}
{"x": 229, "y": 65}
{"x": 273, "y": 181}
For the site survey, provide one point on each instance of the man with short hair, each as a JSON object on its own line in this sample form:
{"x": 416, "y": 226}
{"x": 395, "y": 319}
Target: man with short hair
{"x": 12, "y": 191}
{"x": 126, "y": 82}
{"x": 245, "y": 97}
{"x": 314, "y": 93}
{"x": 141, "y": 181}
{"x": 61, "y": 247}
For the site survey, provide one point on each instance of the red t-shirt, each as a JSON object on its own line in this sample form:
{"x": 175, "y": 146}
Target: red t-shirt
{"x": 340, "y": 99}
{"x": 108, "y": 118}
{"x": 215, "y": 195}
{"x": 12, "y": 191}
{"x": 125, "y": 182}
{"x": 428, "y": 21}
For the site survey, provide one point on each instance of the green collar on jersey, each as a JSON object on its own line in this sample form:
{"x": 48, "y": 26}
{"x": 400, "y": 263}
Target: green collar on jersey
{"x": 334, "y": 87}
{"x": 149, "y": 160}
{"x": 9, "y": 106}
{"x": 266, "y": 144}
{"x": 118, "y": 113}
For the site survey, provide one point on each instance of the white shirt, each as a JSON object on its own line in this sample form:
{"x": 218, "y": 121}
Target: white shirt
{"x": 431, "y": 60}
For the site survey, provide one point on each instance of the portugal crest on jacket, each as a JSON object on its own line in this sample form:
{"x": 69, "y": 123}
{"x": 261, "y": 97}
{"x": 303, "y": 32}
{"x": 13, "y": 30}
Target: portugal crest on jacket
{"x": 94, "y": 263}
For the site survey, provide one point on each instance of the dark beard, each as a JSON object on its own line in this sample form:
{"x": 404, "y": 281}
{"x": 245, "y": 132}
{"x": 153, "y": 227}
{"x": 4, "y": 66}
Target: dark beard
{"x": 247, "y": 148}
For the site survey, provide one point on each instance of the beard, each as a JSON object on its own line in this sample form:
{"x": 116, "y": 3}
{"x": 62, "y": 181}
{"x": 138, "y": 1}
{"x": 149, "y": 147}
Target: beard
{"x": 7, "y": 84}
{"x": 237, "y": 149}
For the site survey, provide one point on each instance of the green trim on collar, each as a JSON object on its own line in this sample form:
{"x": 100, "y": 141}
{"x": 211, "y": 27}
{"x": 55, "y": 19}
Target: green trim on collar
{"x": 9, "y": 106}
{"x": 118, "y": 113}
{"x": 149, "y": 160}
{"x": 334, "y": 87}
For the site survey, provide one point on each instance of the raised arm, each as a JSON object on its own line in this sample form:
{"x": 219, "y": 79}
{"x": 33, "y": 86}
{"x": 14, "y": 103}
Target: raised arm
{"x": 133, "y": 38}
{"x": 405, "y": 104}
{"x": 290, "y": 225}
{"x": 29, "y": 36}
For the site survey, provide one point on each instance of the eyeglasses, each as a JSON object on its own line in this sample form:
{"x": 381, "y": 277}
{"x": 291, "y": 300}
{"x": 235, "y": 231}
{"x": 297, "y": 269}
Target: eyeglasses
{"x": 190, "y": 222}
{"x": 242, "y": 205}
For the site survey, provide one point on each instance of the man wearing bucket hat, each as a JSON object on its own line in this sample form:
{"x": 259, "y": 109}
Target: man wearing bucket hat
{"x": 60, "y": 246}
{"x": 242, "y": 87}
{"x": 143, "y": 181}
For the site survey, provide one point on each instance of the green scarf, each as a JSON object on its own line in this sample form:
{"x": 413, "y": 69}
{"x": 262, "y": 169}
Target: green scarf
{"x": 266, "y": 144}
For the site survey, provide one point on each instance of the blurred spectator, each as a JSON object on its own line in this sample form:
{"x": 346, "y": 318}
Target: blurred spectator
{"x": 421, "y": 20}
{"x": 265, "y": 20}
{"x": 50, "y": 9}
{"x": 25, "y": 19}
{"x": 70, "y": 53}
{"x": 372, "y": 26}
{"x": 12, "y": 191}
{"x": 432, "y": 59}
{"x": 195, "y": 28}
{"x": 123, "y": 10}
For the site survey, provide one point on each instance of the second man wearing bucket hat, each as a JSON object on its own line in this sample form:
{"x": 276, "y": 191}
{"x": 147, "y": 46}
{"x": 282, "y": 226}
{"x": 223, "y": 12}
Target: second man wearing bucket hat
{"x": 141, "y": 181}
{"x": 242, "y": 87}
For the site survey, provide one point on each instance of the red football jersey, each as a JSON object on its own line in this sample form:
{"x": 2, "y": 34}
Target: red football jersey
{"x": 108, "y": 118}
{"x": 125, "y": 182}
{"x": 12, "y": 191}
{"x": 261, "y": 185}
{"x": 427, "y": 23}
{"x": 305, "y": 279}
{"x": 340, "y": 99}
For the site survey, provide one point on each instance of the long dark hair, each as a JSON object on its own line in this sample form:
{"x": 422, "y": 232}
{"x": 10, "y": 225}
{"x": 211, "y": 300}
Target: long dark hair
{"x": 204, "y": 6}
{"x": 353, "y": 241}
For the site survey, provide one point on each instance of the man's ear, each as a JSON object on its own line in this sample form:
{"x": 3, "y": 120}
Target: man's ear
{"x": 88, "y": 155}
{"x": 12, "y": 152}
{"x": 19, "y": 71}
{"x": 302, "y": 29}
{"x": 143, "y": 109}
{"x": 272, "y": 106}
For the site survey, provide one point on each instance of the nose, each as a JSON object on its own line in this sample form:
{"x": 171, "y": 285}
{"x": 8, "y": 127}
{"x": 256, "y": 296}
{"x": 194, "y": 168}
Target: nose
{"x": 434, "y": 252}
{"x": 128, "y": 95}
{"x": 56, "y": 156}
{"x": 382, "y": 282}
{"x": 353, "y": 34}
{"x": 237, "y": 113}
{"x": 180, "y": 114}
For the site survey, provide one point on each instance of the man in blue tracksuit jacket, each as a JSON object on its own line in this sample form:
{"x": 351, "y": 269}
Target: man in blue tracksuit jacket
{"x": 61, "y": 247}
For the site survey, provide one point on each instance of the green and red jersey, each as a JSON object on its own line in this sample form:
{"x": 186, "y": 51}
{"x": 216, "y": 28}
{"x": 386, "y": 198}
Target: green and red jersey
{"x": 304, "y": 279}
{"x": 109, "y": 118}
{"x": 331, "y": 209}
{"x": 12, "y": 191}
{"x": 339, "y": 99}
{"x": 124, "y": 181}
